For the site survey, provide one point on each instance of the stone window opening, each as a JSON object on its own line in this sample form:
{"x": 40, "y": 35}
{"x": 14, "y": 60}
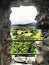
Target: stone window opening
{"x": 42, "y": 18}
{"x": 17, "y": 54}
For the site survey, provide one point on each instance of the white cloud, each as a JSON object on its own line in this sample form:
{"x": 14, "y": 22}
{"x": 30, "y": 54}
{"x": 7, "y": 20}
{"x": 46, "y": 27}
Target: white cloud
{"x": 23, "y": 14}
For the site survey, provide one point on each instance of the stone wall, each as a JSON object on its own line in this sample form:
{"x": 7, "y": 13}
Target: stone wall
{"x": 43, "y": 24}
{"x": 5, "y": 38}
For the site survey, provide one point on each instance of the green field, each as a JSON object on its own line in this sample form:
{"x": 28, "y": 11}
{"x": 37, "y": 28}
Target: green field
{"x": 24, "y": 39}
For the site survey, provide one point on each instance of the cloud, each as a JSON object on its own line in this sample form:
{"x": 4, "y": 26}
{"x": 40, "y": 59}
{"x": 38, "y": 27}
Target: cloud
{"x": 23, "y": 14}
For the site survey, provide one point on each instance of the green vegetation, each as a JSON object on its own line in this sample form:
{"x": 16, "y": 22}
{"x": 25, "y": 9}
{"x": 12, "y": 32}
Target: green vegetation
{"x": 24, "y": 33}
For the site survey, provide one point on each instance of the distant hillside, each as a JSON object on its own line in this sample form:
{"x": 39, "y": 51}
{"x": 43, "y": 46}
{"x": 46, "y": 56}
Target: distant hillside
{"x": 29, "y": 24}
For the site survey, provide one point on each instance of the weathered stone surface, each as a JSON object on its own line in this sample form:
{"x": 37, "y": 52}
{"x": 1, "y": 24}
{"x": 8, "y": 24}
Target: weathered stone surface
{"x": 5, "y": 43}
{"x": 43, "y": 24}
{"x": 44, "y": 49}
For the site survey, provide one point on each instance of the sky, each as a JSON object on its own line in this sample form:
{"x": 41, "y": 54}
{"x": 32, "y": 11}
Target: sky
{"x": 23, "y": 15}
